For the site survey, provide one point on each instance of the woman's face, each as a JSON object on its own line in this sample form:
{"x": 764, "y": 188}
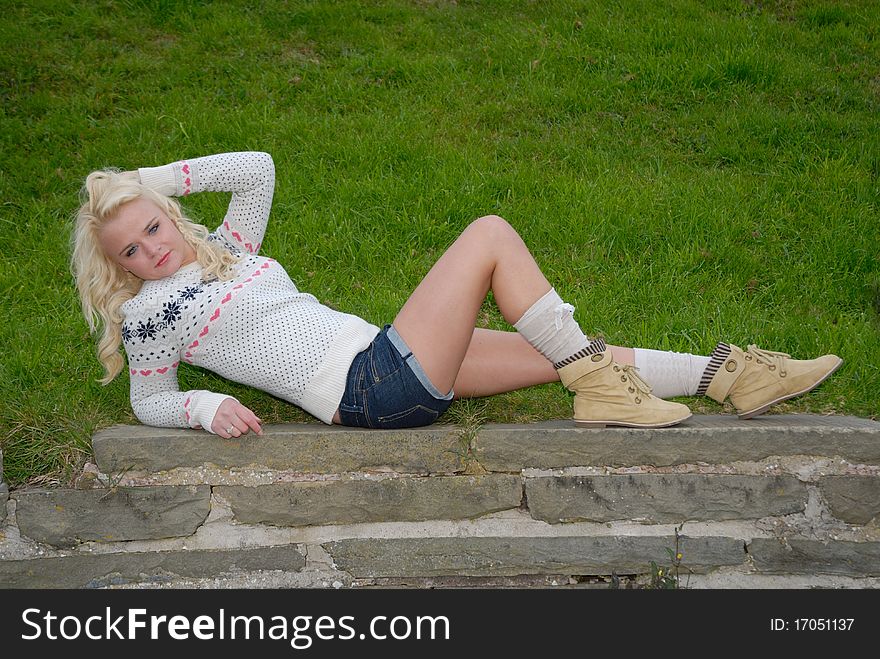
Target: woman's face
{"x": 143, "y": 240}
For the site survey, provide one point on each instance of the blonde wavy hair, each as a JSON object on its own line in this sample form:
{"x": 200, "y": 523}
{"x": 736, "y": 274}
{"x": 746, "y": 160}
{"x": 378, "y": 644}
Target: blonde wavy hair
{"x": 102, "y": 284}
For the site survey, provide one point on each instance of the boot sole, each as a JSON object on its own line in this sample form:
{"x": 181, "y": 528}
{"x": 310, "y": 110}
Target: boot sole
{"x": 763, "y": 408}
{"x": 603, "y": 424}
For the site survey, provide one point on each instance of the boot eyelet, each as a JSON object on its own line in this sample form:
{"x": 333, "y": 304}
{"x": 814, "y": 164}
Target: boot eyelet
{"x": 638, "y": 401}
{"x": 782, "y": 374}
{"x": 631, "y": 390}
{"x": 772, "y": 367}
{"x": 730, "y": 366}
{"x": 596, "y": 358}
{"x": 748, "y": 358}
{"x": 616, "y": 368}
{"x": 623, "y": 378}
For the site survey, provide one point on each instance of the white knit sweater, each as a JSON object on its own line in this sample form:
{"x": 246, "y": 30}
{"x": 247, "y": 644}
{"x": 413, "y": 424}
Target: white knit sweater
{"x": 257, "y": 328}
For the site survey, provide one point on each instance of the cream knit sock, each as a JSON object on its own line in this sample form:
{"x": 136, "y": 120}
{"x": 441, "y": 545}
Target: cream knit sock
{"x": 549, "y": 326}
{"x": 670, "y": 373}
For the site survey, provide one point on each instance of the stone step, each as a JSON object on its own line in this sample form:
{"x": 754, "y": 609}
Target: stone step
{"x": 792, "y": 498}
{"x": 306, "y": 448}
{"x": 65, "y": 518}
{"x": 83, "y": 570}
{"x": 507, "y": 546}
{"x": 321, "y": 449}
{"x": 598, "y": 555}
{"x": 712, "y": 439}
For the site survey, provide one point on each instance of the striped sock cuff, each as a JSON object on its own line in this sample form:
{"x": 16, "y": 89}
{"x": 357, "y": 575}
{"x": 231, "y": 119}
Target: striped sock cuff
{"x": 722, "y": 350}
{"x": 595, "y": 346}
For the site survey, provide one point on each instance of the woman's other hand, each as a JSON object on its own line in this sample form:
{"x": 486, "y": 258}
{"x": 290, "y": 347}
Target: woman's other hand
{"x": 233, "y": 419}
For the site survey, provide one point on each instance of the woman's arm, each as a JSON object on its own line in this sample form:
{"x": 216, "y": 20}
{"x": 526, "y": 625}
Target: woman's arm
{"x": 157, "y": 401}
{"x": 248, "y": 175}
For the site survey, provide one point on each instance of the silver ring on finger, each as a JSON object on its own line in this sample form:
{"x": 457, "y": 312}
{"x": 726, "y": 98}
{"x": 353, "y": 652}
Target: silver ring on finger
{"x": 229, "y": 430}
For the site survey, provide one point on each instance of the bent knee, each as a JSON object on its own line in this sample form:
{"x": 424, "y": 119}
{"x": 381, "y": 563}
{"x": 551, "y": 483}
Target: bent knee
{"x": 493, "y": 227}
{"x": 491, "y": 220}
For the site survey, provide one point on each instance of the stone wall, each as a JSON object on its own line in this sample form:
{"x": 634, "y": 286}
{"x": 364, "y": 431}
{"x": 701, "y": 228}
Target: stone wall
{"x": 775, "y": 501}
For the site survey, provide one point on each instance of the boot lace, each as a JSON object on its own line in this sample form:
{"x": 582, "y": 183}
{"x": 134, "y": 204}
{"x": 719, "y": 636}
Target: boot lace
{"x": 769, "y": 357}
{"x": 641, "y": 386}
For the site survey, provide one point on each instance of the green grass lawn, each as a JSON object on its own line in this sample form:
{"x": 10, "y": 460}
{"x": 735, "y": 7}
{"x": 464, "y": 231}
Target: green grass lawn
{"x": 684, "y": 171}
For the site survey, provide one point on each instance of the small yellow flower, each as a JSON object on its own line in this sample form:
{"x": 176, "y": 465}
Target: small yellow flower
{"x": 659, "y": 573}
{"x": 678, "y": 556}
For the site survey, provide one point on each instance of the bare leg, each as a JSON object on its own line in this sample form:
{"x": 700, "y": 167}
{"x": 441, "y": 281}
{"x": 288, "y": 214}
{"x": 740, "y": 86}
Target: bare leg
{"x": 437, "y": 321}
{"x": 622, "y": 355}
{"x": 497, "y": 362}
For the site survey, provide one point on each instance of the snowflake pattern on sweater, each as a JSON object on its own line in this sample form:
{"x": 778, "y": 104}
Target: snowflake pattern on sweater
{"x": 256, "y": 328}
{"x": 166, "y": 319}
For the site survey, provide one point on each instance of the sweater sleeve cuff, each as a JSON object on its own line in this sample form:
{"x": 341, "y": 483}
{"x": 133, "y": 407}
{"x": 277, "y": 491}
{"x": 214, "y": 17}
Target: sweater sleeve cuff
{"x": 162, "y": 179}
{"x": 204, "y": 407}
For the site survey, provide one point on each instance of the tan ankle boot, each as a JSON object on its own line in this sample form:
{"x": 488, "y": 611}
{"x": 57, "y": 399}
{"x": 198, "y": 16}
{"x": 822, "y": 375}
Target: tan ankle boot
{"x": 610, "y": 394}
{"x": 757, "y": 379}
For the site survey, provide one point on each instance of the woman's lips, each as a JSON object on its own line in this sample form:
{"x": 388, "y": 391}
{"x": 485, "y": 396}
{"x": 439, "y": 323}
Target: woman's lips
{"x": 163, "y": 259}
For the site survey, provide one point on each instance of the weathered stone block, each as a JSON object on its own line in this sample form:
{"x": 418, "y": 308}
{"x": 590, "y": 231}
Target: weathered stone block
{"x": 63, "y": 518}
{"x": 96, "y": 570}
{"x": 389, "y": 499}
{"x": 702, "y": 438}
{"x": 803, "y": 556}
{"x": 294, "y": 447}
{"x": 495, "y": 556}
{"x": 853, "y": 499}
{"x": 663, "y": 497}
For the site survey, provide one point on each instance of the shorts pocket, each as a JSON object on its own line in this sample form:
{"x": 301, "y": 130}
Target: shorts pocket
{"x": 382, "y": 363}
{"x": 417, "y": 415}
{"x": 351, "y": 409}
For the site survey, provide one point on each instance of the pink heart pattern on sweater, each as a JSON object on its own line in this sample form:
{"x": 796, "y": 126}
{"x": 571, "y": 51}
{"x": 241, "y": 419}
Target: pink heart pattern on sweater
{"x": 187, "y": 183}
{"x": 160, "y": 371}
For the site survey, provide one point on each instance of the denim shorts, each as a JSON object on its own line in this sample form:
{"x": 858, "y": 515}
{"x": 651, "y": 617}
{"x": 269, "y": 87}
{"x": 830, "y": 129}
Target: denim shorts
{"x": 387, "y": 388}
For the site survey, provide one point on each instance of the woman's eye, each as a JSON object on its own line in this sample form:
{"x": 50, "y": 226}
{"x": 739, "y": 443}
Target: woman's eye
{"x": 131, "y": 251}
{"x": 154, "y": 228}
